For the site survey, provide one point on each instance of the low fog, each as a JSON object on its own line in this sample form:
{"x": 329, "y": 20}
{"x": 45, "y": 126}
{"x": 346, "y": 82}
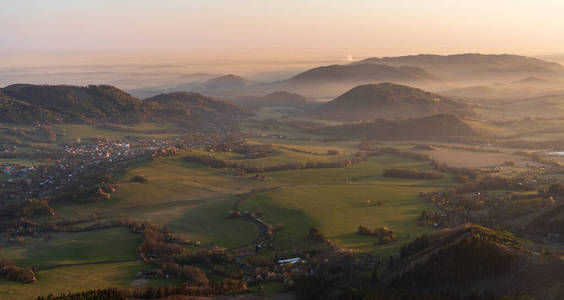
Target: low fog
{"x": 505, "y": 83}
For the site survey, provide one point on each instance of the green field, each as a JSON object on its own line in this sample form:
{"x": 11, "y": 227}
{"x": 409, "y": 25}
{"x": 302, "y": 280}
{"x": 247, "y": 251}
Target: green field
{"x": 280, "y": 156}
{"x": 75, "y": 279}
{"x": 193, "y": 200}
{"x": 72, "y": 248}
{"x": 95, "y": 252}
{"x": 311, "y": 146}
{"x": 338, "y": 210}
{"x": 369, "y": 172}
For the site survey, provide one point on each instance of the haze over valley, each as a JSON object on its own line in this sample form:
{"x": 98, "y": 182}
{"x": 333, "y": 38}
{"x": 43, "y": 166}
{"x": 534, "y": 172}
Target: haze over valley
{"x": 281, "y": 150}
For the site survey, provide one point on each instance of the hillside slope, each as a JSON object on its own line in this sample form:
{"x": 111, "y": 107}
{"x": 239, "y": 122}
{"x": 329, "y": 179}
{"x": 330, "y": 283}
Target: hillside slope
{"x": 80, "y": 104}
{"x": 20, "y": 112}
{"x": 461, "y": 258}
{"x": 197, "y": 106}
{"x": 550, "y": 222}
{"x": 433, "y": 127}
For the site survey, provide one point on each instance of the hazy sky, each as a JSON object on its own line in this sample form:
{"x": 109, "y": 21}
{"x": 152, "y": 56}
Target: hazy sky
{"x": 359, "y": 27}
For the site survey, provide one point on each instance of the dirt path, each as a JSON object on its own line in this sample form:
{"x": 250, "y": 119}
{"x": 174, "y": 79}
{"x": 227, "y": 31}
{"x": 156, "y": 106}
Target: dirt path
{"x": 261, "y": 226}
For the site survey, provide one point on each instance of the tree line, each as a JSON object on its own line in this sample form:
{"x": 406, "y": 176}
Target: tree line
{"x": 242, "y": 168}
{"x": 9, "y": 270}
{"x": 411, "y": 174}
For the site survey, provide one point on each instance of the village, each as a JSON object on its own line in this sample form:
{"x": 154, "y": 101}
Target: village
{"x": 69, "y": 164}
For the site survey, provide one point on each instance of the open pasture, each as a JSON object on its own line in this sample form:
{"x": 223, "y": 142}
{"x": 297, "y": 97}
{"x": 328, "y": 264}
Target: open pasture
{"x": 320, "y": 147}
{"x": 338, "y": 210}
{"x": 279, "y": 155}
{"x": 369, "y": 172}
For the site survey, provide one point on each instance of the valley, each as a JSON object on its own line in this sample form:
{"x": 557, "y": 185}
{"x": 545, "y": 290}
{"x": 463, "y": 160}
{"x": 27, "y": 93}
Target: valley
{"x": 187, "y": 194}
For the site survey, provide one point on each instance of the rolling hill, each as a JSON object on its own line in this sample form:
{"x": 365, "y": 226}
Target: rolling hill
{"x": 436, "y": 261}
{"x": 20, "y": 112}
{"x": 27, "y": 104}
{"x": 332, "y": 80}
{"x": 81, "y": 104}
{"x": 225, "y": 82}
{"x": 196, "y": 106}
{"x": 387, "y": 100}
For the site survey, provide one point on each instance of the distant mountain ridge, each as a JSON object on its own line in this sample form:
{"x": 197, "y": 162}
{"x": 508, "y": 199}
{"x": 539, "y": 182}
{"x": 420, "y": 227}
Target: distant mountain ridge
{"x": 472, "y": 64}
{"x": 364, "y": 71}
{"x": 429, "y": 71}
{"x": 425, "y": 70}
{"x": 328, "y": 81}
{"x": 387, "y": 100}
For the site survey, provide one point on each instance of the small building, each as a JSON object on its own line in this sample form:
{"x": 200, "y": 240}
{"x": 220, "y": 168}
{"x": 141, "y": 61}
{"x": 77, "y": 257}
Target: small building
{"x": 290, "y": 261}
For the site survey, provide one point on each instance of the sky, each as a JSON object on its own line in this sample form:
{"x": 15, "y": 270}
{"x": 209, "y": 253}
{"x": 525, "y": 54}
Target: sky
{"x": 267, "y": 29}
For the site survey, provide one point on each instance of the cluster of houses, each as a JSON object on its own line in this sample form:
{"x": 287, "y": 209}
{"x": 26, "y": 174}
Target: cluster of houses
{"x": 75, "y": 161}
{"x": 16, "y": 170}
{"x": 85, "y": 157}
{"x": 100, "y": 149}
{"x": 281, "y": 137}
{"x": 7, "y": 148}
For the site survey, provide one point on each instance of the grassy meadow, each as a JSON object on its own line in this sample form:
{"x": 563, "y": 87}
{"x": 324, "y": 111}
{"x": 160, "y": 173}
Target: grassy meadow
{"x": 337, "y": 211}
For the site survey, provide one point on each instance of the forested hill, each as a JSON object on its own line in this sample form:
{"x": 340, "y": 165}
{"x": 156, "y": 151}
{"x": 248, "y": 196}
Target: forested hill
{"x": 459, "y": 259}
{"x": 81, "y": 104}
{"x": 194, "y": 105}
{"x": 387, "y": 100}
{"x": 27, "y": 104}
